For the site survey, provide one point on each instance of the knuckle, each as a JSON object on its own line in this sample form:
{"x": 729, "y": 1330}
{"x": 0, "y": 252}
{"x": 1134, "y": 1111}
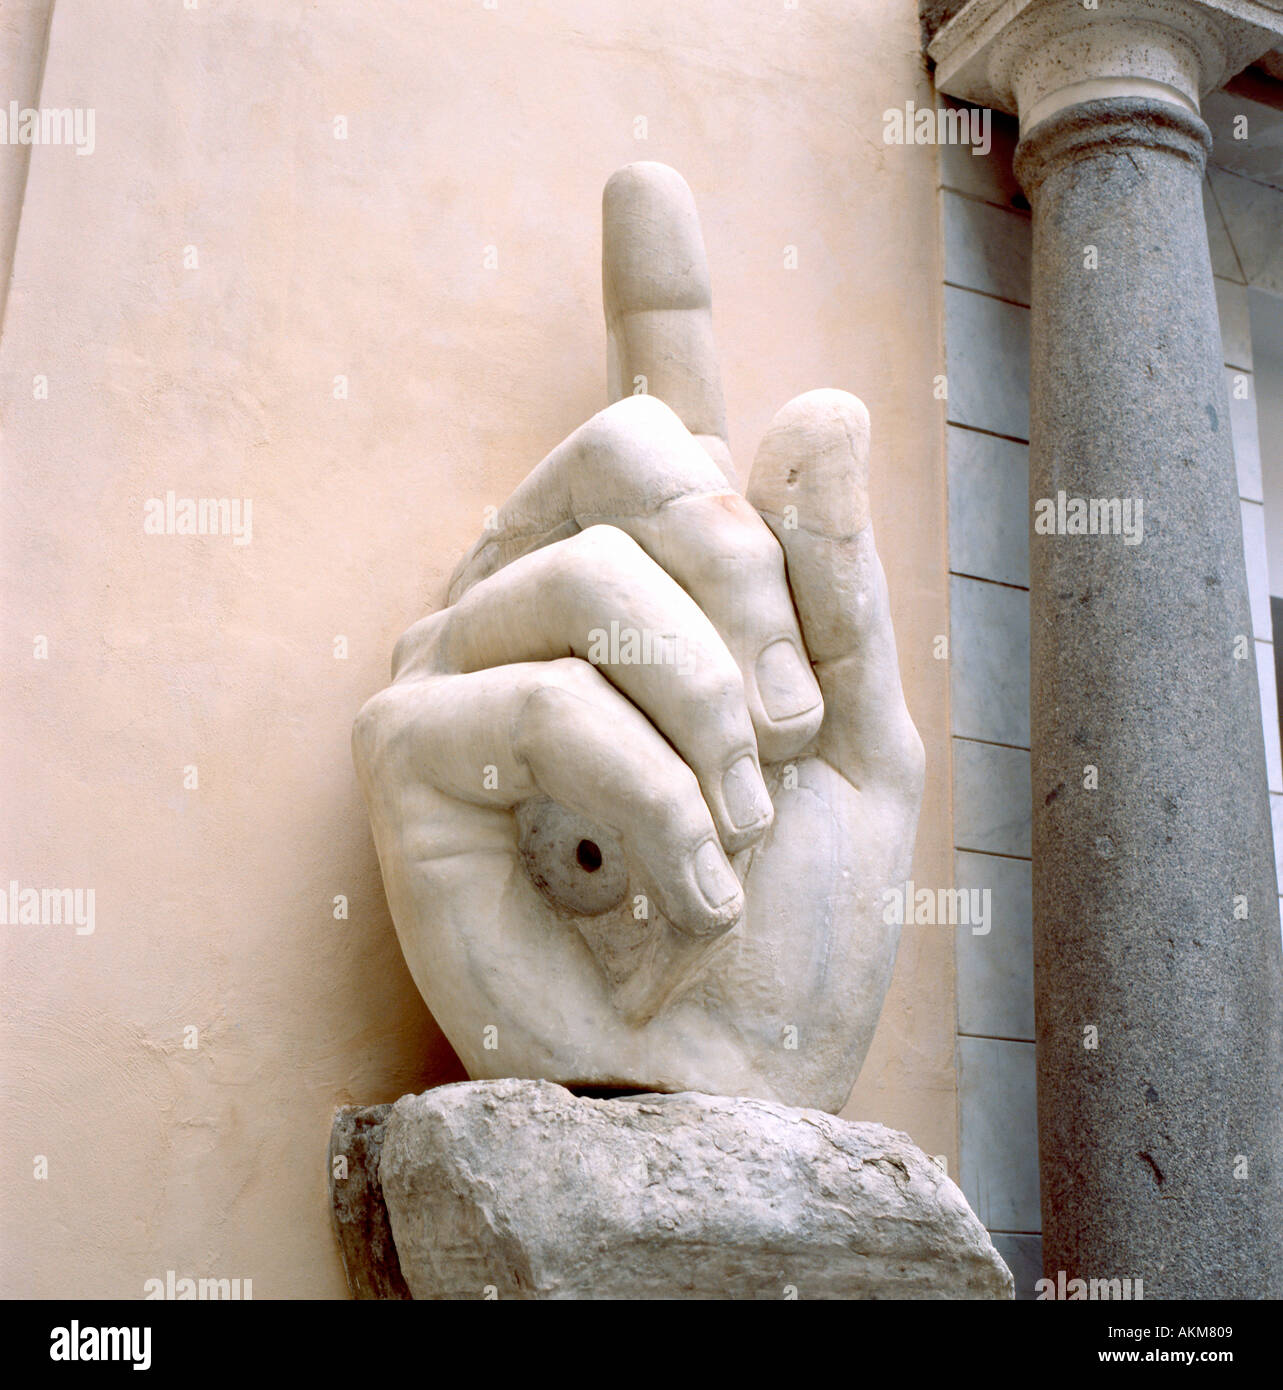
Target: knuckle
{"x": 683, "y": 811}
{"x": 376, "y": 723}
{"x": 716, "y": 692}
{"x": 739, "y": 548}
{"x": 575, "y": 677}
{"x": 639, "y": 443}
{"x": 599, "y": 551}
{"x": 554, "y": 704}
{"x": 417, "y": 642}
{"x": 674, "y": 806}
{"x": 620, "y": 425}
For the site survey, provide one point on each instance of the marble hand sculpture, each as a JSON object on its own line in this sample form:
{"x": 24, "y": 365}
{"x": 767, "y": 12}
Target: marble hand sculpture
{"x": 639, "y": 790}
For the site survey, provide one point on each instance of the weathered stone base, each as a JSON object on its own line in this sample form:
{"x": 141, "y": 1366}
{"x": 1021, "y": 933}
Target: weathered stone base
{"x": 520, "y": 1189}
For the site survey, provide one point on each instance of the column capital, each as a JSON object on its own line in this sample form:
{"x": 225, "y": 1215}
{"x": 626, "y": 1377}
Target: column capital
{"x": 1036, "y": 57}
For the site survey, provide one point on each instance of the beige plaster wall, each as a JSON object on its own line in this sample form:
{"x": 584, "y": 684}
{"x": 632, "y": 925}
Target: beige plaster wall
{"x": 468, "y": 127}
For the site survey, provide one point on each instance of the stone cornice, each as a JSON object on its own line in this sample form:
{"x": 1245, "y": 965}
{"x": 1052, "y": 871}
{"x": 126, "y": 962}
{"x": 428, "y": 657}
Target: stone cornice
{"x": 1034, "y": 57}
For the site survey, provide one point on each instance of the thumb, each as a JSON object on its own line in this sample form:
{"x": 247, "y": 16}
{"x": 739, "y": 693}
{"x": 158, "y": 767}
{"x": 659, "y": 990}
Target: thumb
{"x": 810, "y": 482}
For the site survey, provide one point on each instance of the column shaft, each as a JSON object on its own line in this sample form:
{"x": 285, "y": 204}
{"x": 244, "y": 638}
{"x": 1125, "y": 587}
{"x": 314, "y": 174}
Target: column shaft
{"x": 1159, "y": 975}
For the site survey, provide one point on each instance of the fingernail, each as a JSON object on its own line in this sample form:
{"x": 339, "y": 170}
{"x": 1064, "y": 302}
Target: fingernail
{"x": 714, "y": 875}
{"x": 747, "y": 800}
{"x": 785, "y": 681}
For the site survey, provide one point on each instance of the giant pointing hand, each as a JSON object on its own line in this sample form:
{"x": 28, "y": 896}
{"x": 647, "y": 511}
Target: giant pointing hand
{"x": 638, "y": 791}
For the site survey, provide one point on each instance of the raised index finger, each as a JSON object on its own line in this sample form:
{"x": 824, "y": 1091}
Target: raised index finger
{"x": 658, "y": 302}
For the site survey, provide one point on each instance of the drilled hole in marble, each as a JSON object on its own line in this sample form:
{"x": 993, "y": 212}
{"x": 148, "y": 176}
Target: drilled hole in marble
{"x": 576, "y": 863}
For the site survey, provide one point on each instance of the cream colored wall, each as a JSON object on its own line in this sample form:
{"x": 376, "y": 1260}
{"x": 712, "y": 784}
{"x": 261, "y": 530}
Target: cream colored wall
{"x": 468, "y": 127}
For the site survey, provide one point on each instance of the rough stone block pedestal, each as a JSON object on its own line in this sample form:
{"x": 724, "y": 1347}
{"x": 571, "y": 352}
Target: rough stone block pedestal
{"x": 520, "y": 1189}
